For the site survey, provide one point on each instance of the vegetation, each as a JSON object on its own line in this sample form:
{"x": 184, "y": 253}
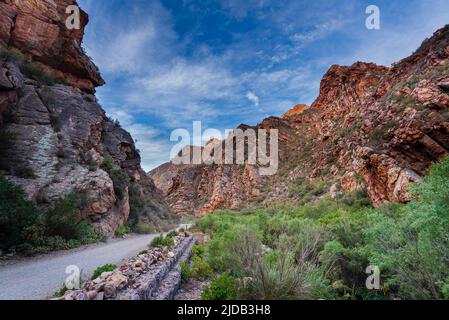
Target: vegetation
{"x": 24, "y": 228}
{"x": 16, "y": 213}
{"x": 221, "y": 288}
{"x": 162, "y": 241}
{"x": 147, "y": 215}
{"x": 60, "y": 292}
{"x": 33, "y": 70}
{"x": 122, "y": 230}
{"x": 118, "y": 176}
{"x": 6, "y": 141}
{"x": 106, "y": 268}
{"x": 322, "y": 250}
{"x": 24, "y": 171}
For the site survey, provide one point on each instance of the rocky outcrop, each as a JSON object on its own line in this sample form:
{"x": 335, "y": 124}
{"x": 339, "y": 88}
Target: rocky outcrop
{"x": 154, "y": 274}
{"x": 200, "y": 189}
{"x": 56, "y": 137}
{"x": 373, "y": 128}
{"x": 38, "y": 29}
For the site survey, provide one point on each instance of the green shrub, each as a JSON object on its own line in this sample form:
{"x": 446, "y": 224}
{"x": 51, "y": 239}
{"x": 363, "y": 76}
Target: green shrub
{"x": 61, "y": 153}
{"x": 122, "y": 230}
{"x": 6, "y": 141}
{"x": 185, "y": 272}
{"x": 221, "y": 288}
{"x": 199, "y": 251}
{"x": 16, "y": 214}
{"x": 411, "y": 246}
{"x": 106, "y": 268}
{"x": 321, "y": 250}
{"x": 25, "y": 228}
{"x": 143, "y": 228}
{"x": 93, "y": 166}
{"x": 55, "y": 123}
{"x": 63, "y": 218}
{"x": 172, "y": 234}
{"x": 118, "y": 176}
{"x": 61, "y": 292}
{"x": 200, "y": 269}
{"x": 12, "y": 54}
{"x": 36, "y": 72}
{"x": 162, "y": 241}
{"x": 24, "y": 171}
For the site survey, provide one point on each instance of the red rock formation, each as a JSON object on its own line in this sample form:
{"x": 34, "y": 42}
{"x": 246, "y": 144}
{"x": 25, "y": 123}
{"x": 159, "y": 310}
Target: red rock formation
{"x": 58, "y": 136}
{"x": 372, "y": 127}
{"x": 295, "y": 111}
{"x": 37, "y": 28}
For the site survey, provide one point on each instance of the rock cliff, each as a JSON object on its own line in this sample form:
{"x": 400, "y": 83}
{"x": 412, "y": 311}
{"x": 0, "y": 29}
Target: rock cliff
{"x": 38, "y": 29}
{"x": 56, "y": 139}
{"x": 372, "y": 127}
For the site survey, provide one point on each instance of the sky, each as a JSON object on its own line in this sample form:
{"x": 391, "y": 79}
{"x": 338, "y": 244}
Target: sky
{"x": 168, "y": 63}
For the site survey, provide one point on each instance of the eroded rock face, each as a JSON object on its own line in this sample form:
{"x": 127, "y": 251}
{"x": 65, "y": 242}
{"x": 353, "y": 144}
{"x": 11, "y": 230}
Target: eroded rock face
{"x": 58, "y": 135}
{"x": 374, "y": 128}
{"x": 37, "y": 28}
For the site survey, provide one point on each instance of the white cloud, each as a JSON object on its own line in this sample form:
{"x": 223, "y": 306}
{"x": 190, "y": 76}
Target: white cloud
{"x": 122, "y": 53}
{"x": 319, "y": 32}
{"x": 189, "y": 80}
{"x": 251, "y": 96}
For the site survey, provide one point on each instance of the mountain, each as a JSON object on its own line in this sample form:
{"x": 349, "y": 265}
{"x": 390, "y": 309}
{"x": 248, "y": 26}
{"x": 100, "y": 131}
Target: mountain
{"x": 55, "y": 137}
{"x": 372, "y": 128}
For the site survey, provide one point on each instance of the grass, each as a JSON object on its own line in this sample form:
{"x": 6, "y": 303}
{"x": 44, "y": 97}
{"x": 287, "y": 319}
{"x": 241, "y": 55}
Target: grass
{"x": 162, "y": 241}
{"x": 61, "y": 292}
{"x": 377, "y": 137}
{"x": 34, "y": 70}
{"x": 100, "y": 270}
{"x": 122, "y": 231}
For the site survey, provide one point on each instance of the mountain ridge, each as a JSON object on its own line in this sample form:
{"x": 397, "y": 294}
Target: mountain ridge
{"x": 372, "y": 128}
{"x": 57, "y": 140}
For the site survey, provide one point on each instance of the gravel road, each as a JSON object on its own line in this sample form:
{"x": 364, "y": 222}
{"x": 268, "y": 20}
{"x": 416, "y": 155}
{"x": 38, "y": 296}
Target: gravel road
{"x": 38, "y": 278}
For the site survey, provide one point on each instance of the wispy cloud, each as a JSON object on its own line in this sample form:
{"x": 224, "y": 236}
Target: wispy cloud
{"x": 251, "y": 96}
{"x": 227, "y": 62}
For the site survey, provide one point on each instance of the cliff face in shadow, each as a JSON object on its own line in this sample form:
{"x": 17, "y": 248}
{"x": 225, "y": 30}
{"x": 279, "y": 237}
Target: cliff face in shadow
{"x": 56, "y": 138}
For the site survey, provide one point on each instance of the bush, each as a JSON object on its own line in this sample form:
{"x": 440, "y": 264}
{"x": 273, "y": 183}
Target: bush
{"x": 26, "y": 229}
{"x": 221, "y": 288}
{"x": 60, "y": 292}
{"x": 106, "y": 268}
{"x": 118, "y": 176}
{"x": 162, "y": 241}
{"x": 200, "y": 269}
{"x": 24, "y": 171}
{"x": 185, "y": 272}
{"x": 6, "y": 141}
{"x": 16, "y": 214}
{"x": 122, "y": 230}
{"x": 63, "y": 218}
{"x": 12, "y": 54}
{"x": 411, "y": 246}
{"x": 61, "y": 153}
{"x": 143, "y": 228}
{"x": 36, "y": 72}
{"x": 172, "y": 234}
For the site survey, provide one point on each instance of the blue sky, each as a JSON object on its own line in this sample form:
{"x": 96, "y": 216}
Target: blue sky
{"x": 170, "y": 62}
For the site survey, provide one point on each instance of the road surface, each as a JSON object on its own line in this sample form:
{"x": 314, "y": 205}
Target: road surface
{"x": 38, "y": 278}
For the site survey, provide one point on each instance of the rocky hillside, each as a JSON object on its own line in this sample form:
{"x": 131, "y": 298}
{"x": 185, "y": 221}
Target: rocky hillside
{"x": 372, "y": 128}
{"x": 56, "y": 139}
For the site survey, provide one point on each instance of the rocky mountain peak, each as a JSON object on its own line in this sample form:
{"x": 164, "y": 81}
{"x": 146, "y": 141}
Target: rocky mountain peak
{"x": 59, "y": 141}
{"x": 37, "y": 28}
{"x": 372, "y": 128}
{"x": 295, "y": 111}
